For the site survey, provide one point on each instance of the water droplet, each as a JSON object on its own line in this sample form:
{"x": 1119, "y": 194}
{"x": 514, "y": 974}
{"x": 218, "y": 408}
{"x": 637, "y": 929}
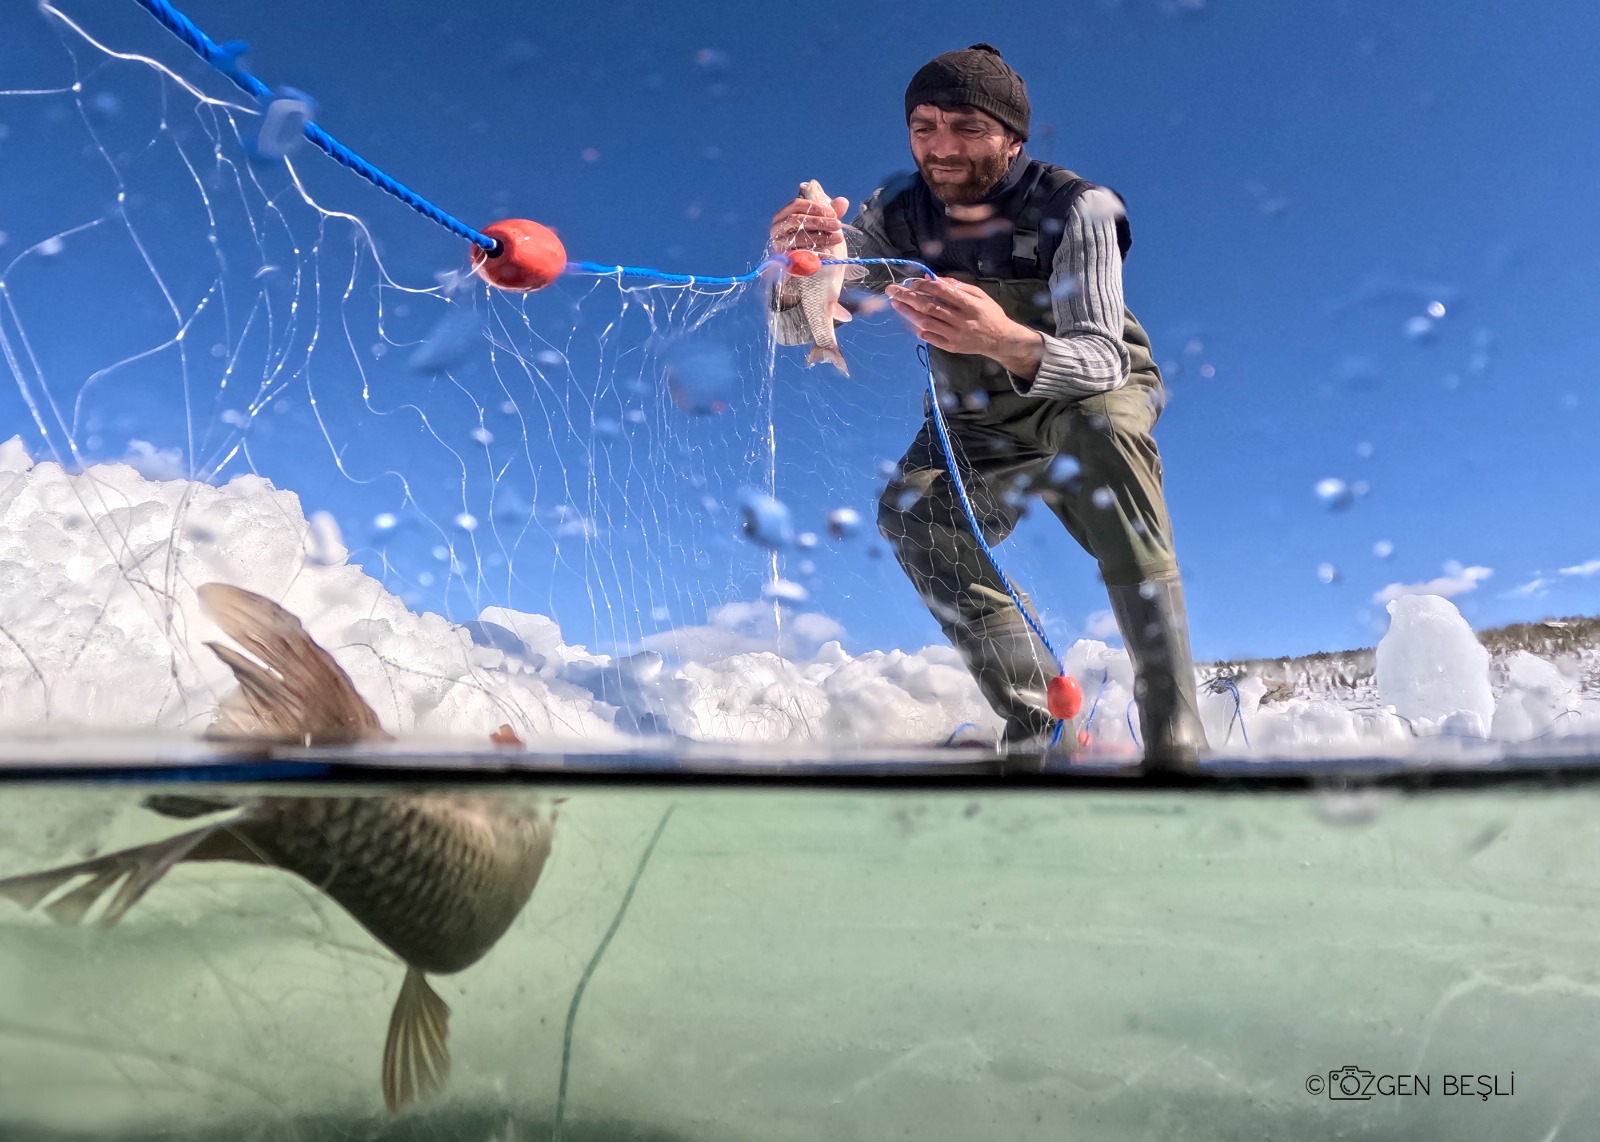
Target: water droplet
{"x": 283, "y": 124}
{"x": 1335, "y": 494}
{"x": 1364, "y": 450}
{"x": 440, "y": 552}
{"x": 1064, "y": 469}
{"x": 1383, "y": 549}
{"x": 806, "y": 540}
{"x": 1103, "y": 498}
{"x": 785, "y": 591}
{"x": 843, "y": 522}
{"x": 1436, "y": 309}
{"x": 466, "y": 521}
{"x": 50, "y": 247}
{"x": 549, "y": 357}
{"x": 702, "y": 379}
{"x": 482, "y": 435}
{"x": 385, "y": 521}
{"x": 1328, "y": 573}
{"x": 1419, "y": 329}
{"x": 765, "y": 520}
{"x": 1208, "y": 371}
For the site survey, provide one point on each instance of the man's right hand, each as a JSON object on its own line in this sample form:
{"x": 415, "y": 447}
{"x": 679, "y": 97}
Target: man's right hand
{"x": 806, "y": 225}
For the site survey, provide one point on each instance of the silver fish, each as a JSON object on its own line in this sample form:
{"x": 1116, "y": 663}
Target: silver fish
{"x": 436, "y": 878}
{"x": 818, "y": 294}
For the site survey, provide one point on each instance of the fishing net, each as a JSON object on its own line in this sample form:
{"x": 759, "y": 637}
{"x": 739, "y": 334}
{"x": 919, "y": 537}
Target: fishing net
{"x": 184, "y": 292}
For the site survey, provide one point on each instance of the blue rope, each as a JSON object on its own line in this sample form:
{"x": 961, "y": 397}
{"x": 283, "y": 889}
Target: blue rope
{"x": 971, "y": 514}
{"x": 225, "y": 58}
{"x": 1238, "y": 709}
{"x": 1094, "y": 707}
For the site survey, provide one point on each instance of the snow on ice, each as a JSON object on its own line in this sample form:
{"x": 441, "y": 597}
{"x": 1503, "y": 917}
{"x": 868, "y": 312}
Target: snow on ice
{"x": 100, "y": 631}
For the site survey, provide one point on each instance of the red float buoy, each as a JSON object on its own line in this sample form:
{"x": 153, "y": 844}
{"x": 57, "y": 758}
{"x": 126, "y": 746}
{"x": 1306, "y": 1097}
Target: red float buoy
{"x": 804, "y": 263}
{"x": 1064, "y": 697}
{"x": 530, "y": 256}
{"x": 1083, "y": 737}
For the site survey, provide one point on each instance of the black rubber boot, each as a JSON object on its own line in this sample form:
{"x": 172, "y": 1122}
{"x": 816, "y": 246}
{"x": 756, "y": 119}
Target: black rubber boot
{"x": 1155, "y": 629}
{"x": 1012, "y": 668}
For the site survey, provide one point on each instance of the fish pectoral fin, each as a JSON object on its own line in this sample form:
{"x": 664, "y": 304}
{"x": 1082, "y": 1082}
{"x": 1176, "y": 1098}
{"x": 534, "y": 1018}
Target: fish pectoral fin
{"x": 831, "y": 355}
{"x": 137, "y": 870}
{"x": 416, "y": 1055}
{"x": 854, "y": 273}
{"x": 841, "y": 314}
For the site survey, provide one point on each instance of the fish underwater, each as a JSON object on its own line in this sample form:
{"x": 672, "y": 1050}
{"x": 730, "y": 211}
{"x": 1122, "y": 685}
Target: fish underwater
{"x": 818, "y": 294}
{"x": 436, "y": 878}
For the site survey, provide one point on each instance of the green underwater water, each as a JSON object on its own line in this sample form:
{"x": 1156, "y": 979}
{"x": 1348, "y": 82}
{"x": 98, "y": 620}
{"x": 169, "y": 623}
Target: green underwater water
{"x": 857, "y": 962}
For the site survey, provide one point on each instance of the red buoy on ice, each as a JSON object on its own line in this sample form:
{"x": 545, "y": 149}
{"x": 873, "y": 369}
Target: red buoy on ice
{"x": 530, "y": 256}
{"x": 804, "y": 263}
{"x": 1064, "y": 697}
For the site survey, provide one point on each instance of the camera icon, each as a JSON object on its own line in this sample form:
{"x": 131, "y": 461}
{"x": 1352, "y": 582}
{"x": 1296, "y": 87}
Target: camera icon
{"x": 1350, "y": 1083}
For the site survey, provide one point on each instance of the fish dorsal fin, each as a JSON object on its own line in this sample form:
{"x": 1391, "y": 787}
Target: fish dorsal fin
{"x": 290, "y": 689}
{"x": 416, "y": 1055}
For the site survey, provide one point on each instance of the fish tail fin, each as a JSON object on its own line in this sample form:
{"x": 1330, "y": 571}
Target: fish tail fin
{"x": 292, "y": 690}
{"x": 830, "y": 354}
{"x": 416, "y": 1054}
{"x": 136, "y": 870}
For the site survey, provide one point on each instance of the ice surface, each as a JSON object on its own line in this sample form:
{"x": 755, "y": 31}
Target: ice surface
{"x": 1430, "y": 665}
{"x": 99, "y": 628}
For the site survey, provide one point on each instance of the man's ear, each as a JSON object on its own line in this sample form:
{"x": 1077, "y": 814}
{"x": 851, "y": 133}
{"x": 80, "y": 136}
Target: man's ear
{"x": 1016, "y": 144}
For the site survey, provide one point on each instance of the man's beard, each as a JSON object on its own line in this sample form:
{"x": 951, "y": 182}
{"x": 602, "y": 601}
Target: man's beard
{"x": 982, "y": 176}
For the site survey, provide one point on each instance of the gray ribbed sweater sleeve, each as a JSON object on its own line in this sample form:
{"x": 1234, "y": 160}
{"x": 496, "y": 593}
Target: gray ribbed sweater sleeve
{"x": 1086, "y": 356}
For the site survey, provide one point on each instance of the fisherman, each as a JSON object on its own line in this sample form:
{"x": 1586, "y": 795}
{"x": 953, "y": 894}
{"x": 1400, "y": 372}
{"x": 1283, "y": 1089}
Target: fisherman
{"x": 1048, "y": 384}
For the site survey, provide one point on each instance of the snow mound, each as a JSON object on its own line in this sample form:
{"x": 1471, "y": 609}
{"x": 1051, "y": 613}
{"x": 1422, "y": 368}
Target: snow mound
{"x": 100, "y": 630}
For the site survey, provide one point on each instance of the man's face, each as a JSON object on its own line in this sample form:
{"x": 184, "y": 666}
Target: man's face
{"x": 962, "y": 152}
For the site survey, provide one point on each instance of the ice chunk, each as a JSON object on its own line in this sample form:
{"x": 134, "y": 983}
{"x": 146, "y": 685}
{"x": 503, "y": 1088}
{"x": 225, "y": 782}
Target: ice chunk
{"x": 1536, "y": 698}
{"x": 324, "y": 544}
{"x": 1430, "y": 664}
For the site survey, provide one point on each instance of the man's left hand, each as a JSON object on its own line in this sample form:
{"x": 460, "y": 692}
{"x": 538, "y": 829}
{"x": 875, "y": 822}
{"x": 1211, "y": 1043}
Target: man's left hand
{"x": 961, "y": 318}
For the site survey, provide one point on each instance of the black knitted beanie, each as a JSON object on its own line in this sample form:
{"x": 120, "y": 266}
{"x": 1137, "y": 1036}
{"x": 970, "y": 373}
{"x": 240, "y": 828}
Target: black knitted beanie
{"x": 975, "y": 77}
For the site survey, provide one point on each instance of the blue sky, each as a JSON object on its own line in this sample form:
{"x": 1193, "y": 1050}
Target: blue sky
{"x": 1303, "y": 182}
